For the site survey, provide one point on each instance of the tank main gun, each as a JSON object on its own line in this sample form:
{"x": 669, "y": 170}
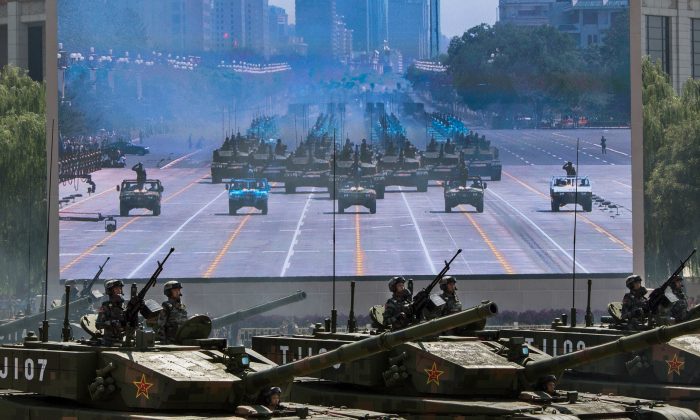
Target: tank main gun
{"x": 639, "y": 341}
{"x": 367, "y": 347}
{"x": 224, "y": 320}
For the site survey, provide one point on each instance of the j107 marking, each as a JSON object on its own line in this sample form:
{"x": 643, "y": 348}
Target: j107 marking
{"x": 32, "y": 370}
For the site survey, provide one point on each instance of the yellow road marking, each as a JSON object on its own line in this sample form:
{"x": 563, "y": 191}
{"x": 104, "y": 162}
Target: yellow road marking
{"x": 111, "y": 235}
{"x": 226, "y": 246}
{"x": 501, "y": 259}
{"x": 359, "y": 254}
{"x": 595, "y": 226}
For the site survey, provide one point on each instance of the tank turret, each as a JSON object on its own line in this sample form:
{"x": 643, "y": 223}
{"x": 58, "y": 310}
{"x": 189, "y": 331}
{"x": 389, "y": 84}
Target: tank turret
{"x": 465, "y": 376}
{"x": 228, "y": 319}
{"x": 202, "y": 379}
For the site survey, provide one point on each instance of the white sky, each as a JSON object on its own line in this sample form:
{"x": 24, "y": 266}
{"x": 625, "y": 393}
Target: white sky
{"x": 456, "y": 15}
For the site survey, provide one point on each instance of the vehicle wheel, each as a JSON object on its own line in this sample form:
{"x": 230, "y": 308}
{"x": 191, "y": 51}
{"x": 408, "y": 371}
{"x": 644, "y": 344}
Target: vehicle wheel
{"x": 480, "y": 207}
{"x": 289, "y": 188}
{"x": 123, "y": 210}
{"x": 588, "y": 206}
{"x": 448, "y": 208}
{"x": 496, "y": 175}
{"x": 156, "y": 210}
{"x": 215, "y": 179}
{"x": 380, "y": 191}
{"x": 555, "y": 206}
{"x": 373, "y": 207}
{"x": 264, "y": 208}
{"x": 422, "y": 186}
{"x": 341, "y": 207}
{"x": 332, "y": 192}
{"x": 232, "y": 208}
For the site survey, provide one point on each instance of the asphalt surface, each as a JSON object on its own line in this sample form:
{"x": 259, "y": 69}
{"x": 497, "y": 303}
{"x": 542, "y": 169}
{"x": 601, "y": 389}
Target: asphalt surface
{"x": 410, "y": 234}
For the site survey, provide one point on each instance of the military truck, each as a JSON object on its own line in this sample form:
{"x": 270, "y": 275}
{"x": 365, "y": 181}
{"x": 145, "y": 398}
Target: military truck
{"x": 466, "y": 377}
{"x": 471, "y": 192}
{"x": 203, "y": 379}
{"x": 357, "y": 193}
{"x": 247, "y": 192}
{"x": 135, "y": 195}
{"x": 563, "y": 190}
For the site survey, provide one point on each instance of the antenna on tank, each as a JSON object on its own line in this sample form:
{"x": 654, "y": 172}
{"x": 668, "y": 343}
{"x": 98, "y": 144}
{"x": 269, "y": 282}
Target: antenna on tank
{"x": 573, "y": 271}
{"x": 44, "y": 329}
{"x": 334, "y": 312}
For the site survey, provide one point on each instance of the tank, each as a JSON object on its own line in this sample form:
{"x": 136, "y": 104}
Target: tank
{"x": 206, "y": 380}
{"x": 233, "y": 317}
{"x": 467, "y": 377}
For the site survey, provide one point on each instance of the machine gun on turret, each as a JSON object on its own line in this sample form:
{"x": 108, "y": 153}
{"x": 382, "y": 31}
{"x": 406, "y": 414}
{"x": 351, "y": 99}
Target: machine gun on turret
{"x": 86, "y": 289}
{"x": 421, "y": 299}
{"x": 656, "y": 296}
{"x": 137, "y": 301}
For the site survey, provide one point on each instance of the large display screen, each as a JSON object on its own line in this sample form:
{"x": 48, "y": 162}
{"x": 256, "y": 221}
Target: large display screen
{"x": 289, "y": 139}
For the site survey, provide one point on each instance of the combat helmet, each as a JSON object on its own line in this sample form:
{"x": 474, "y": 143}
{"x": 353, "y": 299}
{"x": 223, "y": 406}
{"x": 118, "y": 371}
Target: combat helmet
{"x": 394, "y": 281}
{"x": 631, "y": 280}
{"x": 112, "y": 283}
{"x": 267, "y": 395}
{"x": 172, "y": 284}
{"x": 544, "y": 380}
{"x": 445, "y": 280}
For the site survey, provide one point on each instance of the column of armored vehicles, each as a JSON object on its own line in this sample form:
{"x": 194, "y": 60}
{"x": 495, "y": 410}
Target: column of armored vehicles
{"x": 356, "y": 173}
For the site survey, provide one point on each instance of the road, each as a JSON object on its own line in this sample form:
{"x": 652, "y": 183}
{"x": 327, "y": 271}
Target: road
{"x": 410, "y": 233}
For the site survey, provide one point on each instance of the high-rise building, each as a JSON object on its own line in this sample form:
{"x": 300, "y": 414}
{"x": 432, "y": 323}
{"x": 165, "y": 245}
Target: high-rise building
{"x": 586, "y": 21}
{"x": 316, "y": 23}
{"x": 23, "y": 35}
{"x": 409, "y": 28}
{"x": 256, "y": 26}
{"x": 377, "y": 24}
{"x": 176, "y": 25}
{"x": 278, "y": 24}
{"x": 525, "y": 12}
{"x": 368, "y": 21}
{"x": 241, "y": 24}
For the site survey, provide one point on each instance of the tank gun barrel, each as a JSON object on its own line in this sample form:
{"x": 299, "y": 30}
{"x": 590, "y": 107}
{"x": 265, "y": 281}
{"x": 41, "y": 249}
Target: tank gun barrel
{"x": 31, "y": 322}
{"x": 631, "y": 343}
{"x": 228, "y": 319}
{"x": 367, "y": 347}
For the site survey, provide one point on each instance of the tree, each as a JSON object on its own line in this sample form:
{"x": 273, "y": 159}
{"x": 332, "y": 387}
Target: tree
{"x": 671, "y": 167}
{"x": 23, "y": 186}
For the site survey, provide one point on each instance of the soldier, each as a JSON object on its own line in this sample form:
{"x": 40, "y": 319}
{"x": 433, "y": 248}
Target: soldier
{"x": 397, "y": 310}
{"x": 448, "y": 285}
{"x": 271, "y": 398}
{"x": 569, "y": 168}
{"x": 603, "y": 146}
{"x": 140, "y": 174}
{"x": 173, "y": 314}
{"x": 110, "y": 316}
{"x": 73, "y": 291}
{"x": 449, "y": 147}
{"x": 462, "y": 173}
{"x": 279, "y": 147}
{"x": 634, "y": 304}
{"x": 365, "y": 155}
{"x": 548, "y": 384}
{"x": 679, "y": 308}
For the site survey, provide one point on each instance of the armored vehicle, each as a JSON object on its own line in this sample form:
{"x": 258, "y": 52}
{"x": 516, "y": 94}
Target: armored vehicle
{"x": 403, "y": 171}
{"x": 204, "y": 379}
{"x": 357, "y": 192}
{"x": 441, "y": 165}
{"x": 247, "y": 192}
{"x": 563, "y": 191}
{"x": 233, "y": 159}
{"x": 483, "y": 161}
{"x": 472, "y": 193}
{"x": 269, "y": 165}
{"x": 466, "y": 377}
{"x": 346, "y": 169}
{"x": 305, "y": 170}
{"x": 135, "y": 195}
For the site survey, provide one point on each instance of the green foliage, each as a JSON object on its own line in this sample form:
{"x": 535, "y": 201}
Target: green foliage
{"x": 671, "y": 167}
{"x": 23, "y": 183}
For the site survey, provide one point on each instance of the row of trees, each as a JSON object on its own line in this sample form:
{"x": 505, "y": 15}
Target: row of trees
{"x": 671, "y": 168}
{"x": 23, "y": 184}
{"x": 535, "y": 71}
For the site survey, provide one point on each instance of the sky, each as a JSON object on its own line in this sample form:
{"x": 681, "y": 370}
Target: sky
{"x": 456, "y": 15}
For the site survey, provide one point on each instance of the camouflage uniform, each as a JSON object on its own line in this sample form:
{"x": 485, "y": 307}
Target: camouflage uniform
{"x": 110, "y": 319}
{"x": 397, "y": 312}
{"x": 452, "y": 304}
{"x": 679, "y": 308}
{"x": 170, "y": 319}
{"x": 635, "y": 305}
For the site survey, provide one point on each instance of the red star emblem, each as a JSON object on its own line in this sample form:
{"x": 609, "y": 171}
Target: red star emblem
{"x": 142, "y": 386}
{"x": 675, "y": 365}
{"x": 434, "y": 374}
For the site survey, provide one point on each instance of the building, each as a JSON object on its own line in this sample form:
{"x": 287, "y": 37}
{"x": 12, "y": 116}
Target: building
{"x": 435, "y": 35}
{"x": 278, "y": 27}
{"x": 177, "y": 25}
{"x": 256, "y": 26}
{"x": 241, "y": 24}
{"x": 409, "y": 28}
{"x": 23, "y": 35}
{"x": 368, "y": 20}
{"x": 587, "y": 21}
{"x": 671, "y": 35}
{"x": 525, "y": 12}
{"x": 315, "y": 24}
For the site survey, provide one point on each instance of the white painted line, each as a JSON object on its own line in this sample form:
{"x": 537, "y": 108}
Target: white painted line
{"x": 420, "y": 235}
{"x": 180, "y": 159}
{"x": 300, "y": 223}
{"x": 173, "y": 235}
{"x": 584, "y": 269}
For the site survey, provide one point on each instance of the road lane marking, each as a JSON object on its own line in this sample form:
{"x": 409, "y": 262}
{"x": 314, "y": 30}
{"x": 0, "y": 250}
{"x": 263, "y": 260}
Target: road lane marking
{"x": 359, "y": 254}
{"x": 86, "y": 199}
{"x": 584, "y": 269}
{"x": 180, "y": 159}
{"x": 623, "y": 184}
{"x": 297, "y": 231}
{"x": 111, "y": 235}
{"x": 501, "y": 259}
{"x": 165, "y": 242}
{"x": 598, "y": 228}
{"x": 226, "y": 246}
{"x": 420, "y": 235}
